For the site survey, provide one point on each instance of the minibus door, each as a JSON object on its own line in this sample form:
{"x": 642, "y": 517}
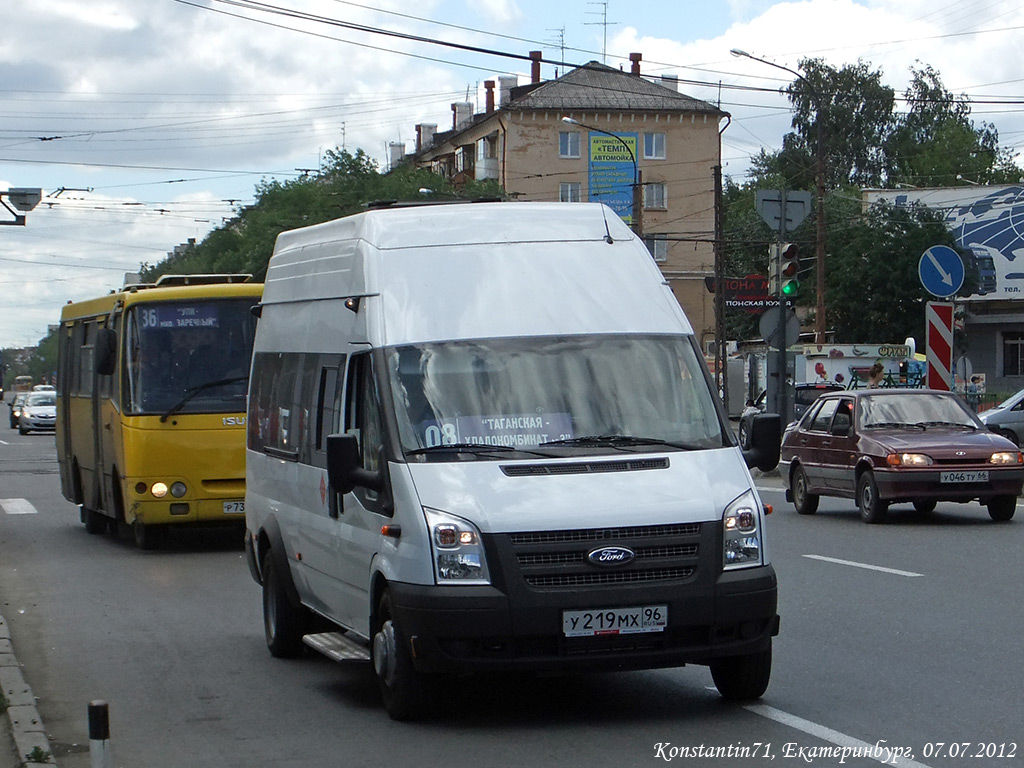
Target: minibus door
{"x": 363, "y": 511}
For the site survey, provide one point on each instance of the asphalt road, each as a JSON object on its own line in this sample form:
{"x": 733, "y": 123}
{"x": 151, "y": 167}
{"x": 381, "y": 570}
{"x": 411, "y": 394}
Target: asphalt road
{"x": 904, "y": 635}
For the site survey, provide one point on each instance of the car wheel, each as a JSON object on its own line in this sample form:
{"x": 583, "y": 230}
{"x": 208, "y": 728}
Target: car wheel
{"x": 402, "y": 688}
{"x": 1001, "y": 508}
{"x": 1010, "y": 435}
{"x": 22, "y": 430}
{"x": 872, "y": 508}
{"x": 743, "y": 678}
{"x": 284, "y": 623}
{"x": 806, "y": 503}
{"x": 743, "y": 436}
{"x": 924, "y": 506}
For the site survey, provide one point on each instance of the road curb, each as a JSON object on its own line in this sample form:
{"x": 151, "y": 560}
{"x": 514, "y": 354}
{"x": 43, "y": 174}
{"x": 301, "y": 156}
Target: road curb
{"x": 23, "y": 720}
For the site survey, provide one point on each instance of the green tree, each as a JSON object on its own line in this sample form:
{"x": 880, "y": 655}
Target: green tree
{"x": 873, "y": 292}
{"x": 345, "y": 184}
{"x": 934, "y": 142}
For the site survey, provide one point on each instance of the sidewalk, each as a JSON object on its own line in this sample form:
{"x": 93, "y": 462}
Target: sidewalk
{"x": 22, "y": 734}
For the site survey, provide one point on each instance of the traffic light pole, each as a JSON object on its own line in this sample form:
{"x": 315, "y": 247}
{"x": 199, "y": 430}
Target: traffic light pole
{"x": 781, "y": 391}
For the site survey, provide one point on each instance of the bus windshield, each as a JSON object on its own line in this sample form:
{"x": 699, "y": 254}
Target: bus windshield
{"x": 188, "y": 356}
{"x": 588, "y": 393}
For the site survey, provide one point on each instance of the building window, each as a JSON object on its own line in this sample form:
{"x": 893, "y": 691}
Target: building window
{"x": 569, "y": 192}
{"x": 654, "y": 146}
{"x": 569, "y": 144}
{"x": 1013, "y": 353}
{"x": 658, "y": 246}
{"x": 655, "y": 196}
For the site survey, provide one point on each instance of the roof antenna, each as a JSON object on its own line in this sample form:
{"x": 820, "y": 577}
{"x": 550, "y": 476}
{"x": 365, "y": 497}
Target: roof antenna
{"x": 607, "y": 232}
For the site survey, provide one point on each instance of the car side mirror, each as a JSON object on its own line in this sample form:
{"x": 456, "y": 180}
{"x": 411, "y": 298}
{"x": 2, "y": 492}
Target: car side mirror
{"x": 765, "y": 442}
{"x": 344, "y": 466}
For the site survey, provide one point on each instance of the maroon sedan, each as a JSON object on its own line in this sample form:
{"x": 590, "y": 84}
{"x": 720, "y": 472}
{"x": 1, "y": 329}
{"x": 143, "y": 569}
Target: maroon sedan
{"x": 881, "y": 446}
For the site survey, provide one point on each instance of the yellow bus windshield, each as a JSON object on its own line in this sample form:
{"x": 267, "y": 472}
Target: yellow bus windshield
{"x": 189, "y": 356}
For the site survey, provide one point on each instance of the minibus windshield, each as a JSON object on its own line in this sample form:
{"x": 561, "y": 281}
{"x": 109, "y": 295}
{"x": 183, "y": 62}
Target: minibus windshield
{"x": 188, "y": 356}
{"x": 591, "y": 394}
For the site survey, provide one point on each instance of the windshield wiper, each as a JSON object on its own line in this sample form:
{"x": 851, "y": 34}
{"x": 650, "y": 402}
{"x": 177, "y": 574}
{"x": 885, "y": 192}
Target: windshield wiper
{"x": 193, "y": 391}
{"x": 479, "y": 449}
{"x": 957, "y": 424}
{"x": 619, "y": 440}
{"x": 897, "y": 424}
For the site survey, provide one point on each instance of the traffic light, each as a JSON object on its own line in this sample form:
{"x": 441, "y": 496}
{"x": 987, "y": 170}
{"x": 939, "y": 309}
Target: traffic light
{"x": 773, "y": 269}
{"x": 789, "y": 267}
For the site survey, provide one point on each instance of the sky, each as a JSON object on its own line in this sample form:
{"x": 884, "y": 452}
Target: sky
{"x": 149, "y": 123}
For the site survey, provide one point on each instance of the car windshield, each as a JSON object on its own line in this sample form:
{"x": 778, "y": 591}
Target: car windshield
{"x": 921, "y": 409}
{"x": 189, "y": 356}
{"x": 592, "y": 393}
{"x": 42, "y": 398}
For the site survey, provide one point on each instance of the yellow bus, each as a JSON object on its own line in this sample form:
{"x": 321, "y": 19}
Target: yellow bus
{"x": 151, "y": 384}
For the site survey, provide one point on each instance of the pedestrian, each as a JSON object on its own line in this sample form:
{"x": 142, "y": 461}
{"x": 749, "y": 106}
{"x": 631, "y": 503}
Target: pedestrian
{"x": 875, "y": 374}
{"x": 973, "y": 395}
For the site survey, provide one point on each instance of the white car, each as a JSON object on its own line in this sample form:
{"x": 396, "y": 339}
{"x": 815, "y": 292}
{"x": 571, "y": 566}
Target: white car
{"x": 1007, "y": 418}
{"x": 39, "y": 413}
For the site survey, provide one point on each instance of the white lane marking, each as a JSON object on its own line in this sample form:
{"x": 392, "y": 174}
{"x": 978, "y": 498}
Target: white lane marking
{"x": 863, "y": 565}
{"x": 4, "y": 442}
{"x": 881, "y": 751}
{"x": 18, "y": 507}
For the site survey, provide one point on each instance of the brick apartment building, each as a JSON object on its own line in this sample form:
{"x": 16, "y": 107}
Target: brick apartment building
{"x": 626, "y": 129}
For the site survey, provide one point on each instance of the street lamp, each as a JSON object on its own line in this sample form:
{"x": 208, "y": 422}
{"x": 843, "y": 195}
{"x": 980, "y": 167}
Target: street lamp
{"x": 819, "y": 173}
{"x": 22, "y": 199}
{"x": 637, "y": 212}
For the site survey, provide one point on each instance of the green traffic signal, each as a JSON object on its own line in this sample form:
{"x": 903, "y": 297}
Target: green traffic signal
{"x": 791, "y": 289}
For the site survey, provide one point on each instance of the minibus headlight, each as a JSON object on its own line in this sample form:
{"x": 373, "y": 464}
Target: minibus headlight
{"x": 741, "y": 533}
{"x": 457, "y": 549}
{"x": 159, "y": 490}
{"x": 178, "y": 489}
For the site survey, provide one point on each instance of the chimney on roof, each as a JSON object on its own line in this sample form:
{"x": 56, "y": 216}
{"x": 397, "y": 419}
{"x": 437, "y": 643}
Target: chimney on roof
{"x": 505, "y": 85}
{"x": 635, "y": 59}
{"x": 462, "y": 111}
{"x": 535, "y": 57}
{"x": 670, "y": 81}
{"x": 489, "y": 90}
{"x": 425, "y": 135}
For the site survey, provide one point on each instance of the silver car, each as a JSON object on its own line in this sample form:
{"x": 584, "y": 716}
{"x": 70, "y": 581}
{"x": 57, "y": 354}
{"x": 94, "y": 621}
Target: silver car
{"x": 38, "y": 413}
{"x": 1007, "y": 418}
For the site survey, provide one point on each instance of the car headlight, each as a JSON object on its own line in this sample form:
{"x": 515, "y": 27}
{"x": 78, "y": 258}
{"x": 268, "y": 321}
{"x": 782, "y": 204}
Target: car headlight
{"x": 741, "y": 529}
{"x": 457, "y": 549}
{"x": 1006, "y": 457}
{"x": 908, "y": 460}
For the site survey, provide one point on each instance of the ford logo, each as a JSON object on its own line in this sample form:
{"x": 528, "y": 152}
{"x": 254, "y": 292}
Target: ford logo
{"x": 608, "y": 557}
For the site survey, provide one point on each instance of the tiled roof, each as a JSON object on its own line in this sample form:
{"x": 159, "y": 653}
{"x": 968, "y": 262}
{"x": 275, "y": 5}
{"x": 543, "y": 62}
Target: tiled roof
{"x": 596, "y": 86}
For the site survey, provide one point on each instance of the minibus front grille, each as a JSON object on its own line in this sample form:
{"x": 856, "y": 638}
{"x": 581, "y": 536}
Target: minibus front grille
{"x": 583, "y": 467}
{"x": 561, "y": 559}
{"x": 606, "y": 534}
{"x": 609, "y": 577}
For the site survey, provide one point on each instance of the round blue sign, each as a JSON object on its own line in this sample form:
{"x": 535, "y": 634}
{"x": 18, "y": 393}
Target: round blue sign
{"x": 941, "y": 270}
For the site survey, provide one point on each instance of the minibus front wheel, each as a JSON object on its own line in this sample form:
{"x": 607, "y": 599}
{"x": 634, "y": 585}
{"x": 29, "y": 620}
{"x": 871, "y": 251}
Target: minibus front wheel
{"x": 402, "y": 688}
{"x": 743, "y": 678}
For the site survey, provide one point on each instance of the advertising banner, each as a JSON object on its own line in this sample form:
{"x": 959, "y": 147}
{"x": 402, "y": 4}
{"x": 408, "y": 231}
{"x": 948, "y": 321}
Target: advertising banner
{"x": 612, "y": 172}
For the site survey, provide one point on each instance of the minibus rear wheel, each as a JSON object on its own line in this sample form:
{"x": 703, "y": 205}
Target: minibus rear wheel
{"x": 283, "y": 622}
{"x": 401, "y": 687}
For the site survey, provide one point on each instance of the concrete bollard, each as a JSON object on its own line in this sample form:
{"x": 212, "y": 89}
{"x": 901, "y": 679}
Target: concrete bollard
{"x": 100, "y": 753}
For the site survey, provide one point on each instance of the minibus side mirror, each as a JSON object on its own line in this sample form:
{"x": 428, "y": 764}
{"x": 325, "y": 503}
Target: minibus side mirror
{"x": 106, "y": 351}
{"x": 344, "y": 466}
{"x": 765, "y": 442}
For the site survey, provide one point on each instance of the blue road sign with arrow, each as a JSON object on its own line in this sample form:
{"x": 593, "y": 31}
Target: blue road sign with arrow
{"x": 941, "y": 271}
